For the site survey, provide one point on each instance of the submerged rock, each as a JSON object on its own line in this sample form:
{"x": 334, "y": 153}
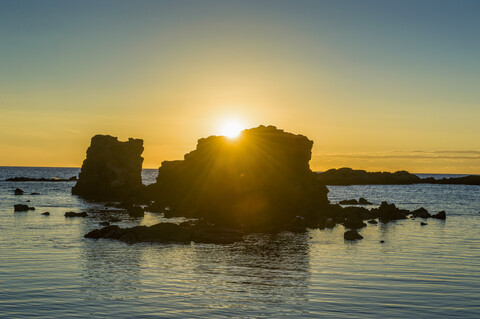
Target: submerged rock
{"x": 260, "y": 180}
{"x": 46, "y": 213}
{"x": 112, "y": 169}
{"x": 73, "y": 214}
{"x": 423, "y": 224}
{"x": 18, "y": 191}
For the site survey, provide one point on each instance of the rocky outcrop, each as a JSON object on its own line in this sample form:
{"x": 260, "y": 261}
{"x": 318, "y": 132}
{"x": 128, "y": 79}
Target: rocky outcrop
{"x": 18, "y": 191}
{"x": 348, "y": 176}
{"x": 112, "y": 169}
{"x": 261, "y": 180}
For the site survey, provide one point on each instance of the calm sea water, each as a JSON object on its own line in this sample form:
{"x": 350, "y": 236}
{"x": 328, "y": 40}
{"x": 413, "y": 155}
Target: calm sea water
{"x": 48, "y": 270}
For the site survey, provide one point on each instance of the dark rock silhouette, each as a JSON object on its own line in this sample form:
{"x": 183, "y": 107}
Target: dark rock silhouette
{"x": 18, "y": 191}
{"x": 423, "y": 224}
{"x": 22, "y": 208}
{"x": 46, "y": 213}
{"x": 261, "y": 180}
{"x": 389, "y": 212}
{"x": 421, "y": 212}
{"x": 363, "y": 201}
{"x": 169, "y": 232}
{"x": 34, "y": 193}
{"x": 74, "y": 214}
{"x": 352, "y": 235}
{"x": 29, "y": 179}
{"x": 348, "y": 176}
{"x": 112, "y": 169}
{"x": 440, "y": 215}
{"x": 348, "y": 202}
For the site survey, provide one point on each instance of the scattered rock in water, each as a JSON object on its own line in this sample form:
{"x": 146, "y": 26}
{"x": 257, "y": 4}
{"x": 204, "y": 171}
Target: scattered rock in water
{"x": 136, "y": 211}
{"x": 373, "y": 222}
{"x": 363, "y": 201}
{"x": 423, "y": 224}
{"x": 382, "y": 241}
{"x": 348, "y": 202}
{"x": 46, "y": 214}
{"x": 34, "y": 193}
{"x": 389, "y": 212}
{"x": 74, "y": 214}
{"x": 22, "y": 208}
{"x": 112, "y": 169}
{"x": 18, "y": 191}
{"x": 440, "y": 215}
{"x": 421, "y": 212}
{"x": 104, "y": 224}
{"x": 352, "y": 235}
{"x": 27, "y": 201}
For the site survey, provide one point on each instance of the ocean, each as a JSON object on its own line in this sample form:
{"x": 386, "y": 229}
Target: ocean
{"x": 48, "y": 270}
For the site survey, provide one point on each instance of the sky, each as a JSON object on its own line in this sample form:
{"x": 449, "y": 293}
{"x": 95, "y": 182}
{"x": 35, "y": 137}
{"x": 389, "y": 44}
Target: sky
{"x": 377, "y": 85}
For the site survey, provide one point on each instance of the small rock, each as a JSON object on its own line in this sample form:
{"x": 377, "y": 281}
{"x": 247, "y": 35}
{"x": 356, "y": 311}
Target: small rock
{"x": 363, "y": 201}
{"x": 382, "y": 241}
{"x": 423, "y": 224}
{"x": 352, "y": 235}
{"x": 20, "y": 208}
{"x": 373, "y": 221}
{"x": 73, "y": 214}
{"x": 421, "y": 212}
{"x": 18, "y": 191}
{"x": 34, "y": 193}
{"x": 46, "y": 214}
{"x": 27, "y": 201}
{"x": 348, "y": 202}
{"x": 114, "y": 219}
{"x": 440, "y": 215}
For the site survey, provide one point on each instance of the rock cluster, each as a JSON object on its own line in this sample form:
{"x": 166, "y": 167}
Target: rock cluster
{"x": 112, "y": 169}
{"x": 169, "y": 232}
{"x": 260, "y": 180}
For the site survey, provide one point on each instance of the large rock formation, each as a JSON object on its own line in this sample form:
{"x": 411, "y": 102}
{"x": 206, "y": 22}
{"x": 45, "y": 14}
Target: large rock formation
{"x": 261, "y": 179}
{"x": 112, "y": 169}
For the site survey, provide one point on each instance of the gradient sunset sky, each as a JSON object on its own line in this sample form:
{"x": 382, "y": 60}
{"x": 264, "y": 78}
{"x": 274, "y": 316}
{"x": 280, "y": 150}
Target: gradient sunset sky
{"x": 378, "y": 85}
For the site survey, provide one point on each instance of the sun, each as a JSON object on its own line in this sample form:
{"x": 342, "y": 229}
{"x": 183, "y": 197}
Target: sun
{"x": 231, "y": 128}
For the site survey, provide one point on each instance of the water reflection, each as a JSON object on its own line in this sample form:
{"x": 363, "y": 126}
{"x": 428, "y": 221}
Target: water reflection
{"x": 111, "y": 270}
